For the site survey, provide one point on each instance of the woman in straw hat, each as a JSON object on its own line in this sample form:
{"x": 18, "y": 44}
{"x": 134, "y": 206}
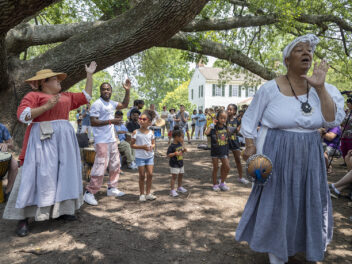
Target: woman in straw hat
{"x": 292, "y": 212}
{"x": 49, "y": 184}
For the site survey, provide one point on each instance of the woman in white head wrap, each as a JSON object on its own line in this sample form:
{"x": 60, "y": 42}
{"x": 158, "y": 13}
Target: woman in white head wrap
{"x": 292, "y": 212}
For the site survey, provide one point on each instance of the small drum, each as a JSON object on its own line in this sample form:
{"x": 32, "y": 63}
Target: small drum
{"x": 259, "y": 168}
{"x": 157, "y": 131}
{"x": 5, "y": 159}
{"x": 89, "y": 157}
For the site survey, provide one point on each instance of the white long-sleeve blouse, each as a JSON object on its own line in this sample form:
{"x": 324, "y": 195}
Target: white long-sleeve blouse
{"x": 276, "y": 110}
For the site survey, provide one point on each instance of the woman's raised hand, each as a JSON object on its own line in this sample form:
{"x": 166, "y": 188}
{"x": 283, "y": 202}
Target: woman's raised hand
{"x": 91, "y": 68}
{"x": 317, "y": 79}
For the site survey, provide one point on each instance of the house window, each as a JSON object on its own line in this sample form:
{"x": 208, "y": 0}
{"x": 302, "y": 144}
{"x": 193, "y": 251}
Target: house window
{"x": 246, "y": 91}
{"x": 218, "y": 90}
{"x": 200, "y": 91}
{"x": 192, "y": 94}
{"x": 251, "y": 91}
{"x": 233, "y": 90}
{"x": 223, "y": 90}
{"x": 240, "y": 91}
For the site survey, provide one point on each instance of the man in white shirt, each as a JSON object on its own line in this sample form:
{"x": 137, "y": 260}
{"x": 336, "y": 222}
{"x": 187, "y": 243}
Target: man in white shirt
{"x": 107, "y": 154}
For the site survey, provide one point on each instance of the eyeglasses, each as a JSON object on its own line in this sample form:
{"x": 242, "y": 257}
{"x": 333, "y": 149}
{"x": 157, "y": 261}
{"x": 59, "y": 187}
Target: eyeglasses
{"x": 143, "y": 119}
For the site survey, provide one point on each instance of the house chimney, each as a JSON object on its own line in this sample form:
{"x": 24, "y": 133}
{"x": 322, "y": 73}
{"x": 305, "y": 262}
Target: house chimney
{"x": 200, "y": 64}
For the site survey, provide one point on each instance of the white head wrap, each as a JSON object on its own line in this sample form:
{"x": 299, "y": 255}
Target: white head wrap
{"x": 312, "y": 39}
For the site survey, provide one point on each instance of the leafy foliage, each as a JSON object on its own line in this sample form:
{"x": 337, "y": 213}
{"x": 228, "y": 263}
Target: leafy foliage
{"x": 179, "y": 96}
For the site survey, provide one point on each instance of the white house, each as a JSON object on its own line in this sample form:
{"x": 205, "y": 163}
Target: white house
{"x": 205, "y": 90}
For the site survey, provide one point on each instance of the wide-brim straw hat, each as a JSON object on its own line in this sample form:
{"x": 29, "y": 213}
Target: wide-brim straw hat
{"x": 47, "y": 73}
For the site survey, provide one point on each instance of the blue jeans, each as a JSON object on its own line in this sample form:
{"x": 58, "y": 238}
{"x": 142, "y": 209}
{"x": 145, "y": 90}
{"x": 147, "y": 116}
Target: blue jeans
{"x": 144, "y": 162}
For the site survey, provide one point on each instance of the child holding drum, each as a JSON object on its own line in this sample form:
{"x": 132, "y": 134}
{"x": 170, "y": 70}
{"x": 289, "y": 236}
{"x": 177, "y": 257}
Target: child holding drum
{"x": 143, "y": 141}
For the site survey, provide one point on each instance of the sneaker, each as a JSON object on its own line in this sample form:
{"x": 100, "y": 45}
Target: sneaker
{"x": 181, "y": 189}
{"x": 173, "y": 193}
{"x": 216, "y": 188}
{"x": 334, "y": 192}
{"x": 150, "y": 197}
{"x": 115, "y": 192}
{"x": 224, "y": 187}
{"x": 142, "y": 198}
{"x": 243, "y": 180}
{"x": 90, "y": 199}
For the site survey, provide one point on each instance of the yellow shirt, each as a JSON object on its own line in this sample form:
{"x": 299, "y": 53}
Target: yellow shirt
{"x": 210, "y": 119}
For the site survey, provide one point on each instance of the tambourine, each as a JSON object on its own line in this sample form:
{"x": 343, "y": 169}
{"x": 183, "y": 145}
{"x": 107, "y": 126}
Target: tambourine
{"x": 259, "y": 168}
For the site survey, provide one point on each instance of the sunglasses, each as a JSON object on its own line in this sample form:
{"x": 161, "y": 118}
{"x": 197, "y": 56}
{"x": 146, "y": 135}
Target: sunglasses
{"x": 143, "y": 119}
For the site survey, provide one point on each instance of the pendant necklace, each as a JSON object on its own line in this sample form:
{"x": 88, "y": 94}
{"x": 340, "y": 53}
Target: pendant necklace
{"x": 306, "y": 108}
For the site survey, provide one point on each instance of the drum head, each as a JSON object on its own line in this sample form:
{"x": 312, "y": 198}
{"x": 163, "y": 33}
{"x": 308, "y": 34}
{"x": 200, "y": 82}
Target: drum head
{"x": 4, "y": 156}
{"x": 259, "y": 168}
{"x": 89, "y": 149}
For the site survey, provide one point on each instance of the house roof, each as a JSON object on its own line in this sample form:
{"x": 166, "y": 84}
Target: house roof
{"x": 211, "y": 73}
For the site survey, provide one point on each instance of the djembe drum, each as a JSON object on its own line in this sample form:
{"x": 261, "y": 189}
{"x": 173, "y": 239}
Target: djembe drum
{"x": 259, "y": 168}
{"x": 5, "y": 159}
{"x": 89, "y": 157}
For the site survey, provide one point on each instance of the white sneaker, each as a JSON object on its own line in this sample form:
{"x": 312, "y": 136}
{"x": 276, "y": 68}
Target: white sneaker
{"x": 115, "y": 192}
{"x": 150, "y": 197}
{"x": 89, "y": 198}
{"x": 173, "y": 193}
{"x": 243, "y": 180}
{"x": 181, "y": 189}
{"x": 142, "y": 198}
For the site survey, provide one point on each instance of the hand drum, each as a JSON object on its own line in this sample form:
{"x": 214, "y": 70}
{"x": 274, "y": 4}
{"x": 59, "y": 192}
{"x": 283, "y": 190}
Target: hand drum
{"x": 259, "y": 168}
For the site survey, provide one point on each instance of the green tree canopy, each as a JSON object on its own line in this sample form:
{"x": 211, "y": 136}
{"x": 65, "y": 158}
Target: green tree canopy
{"x": 177, "y": 97}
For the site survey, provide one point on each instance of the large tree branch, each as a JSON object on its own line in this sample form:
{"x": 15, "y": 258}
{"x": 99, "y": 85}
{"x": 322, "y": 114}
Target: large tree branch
{"x": 140, "y": 28}
{"x": 206, "y": 47}
{"x": 252, "y": 21}
{"x": 12, "y": 12}
{"x": 320, "y": 19}
{"x": 229, "y": 23}
{"x": 27, "y": 35}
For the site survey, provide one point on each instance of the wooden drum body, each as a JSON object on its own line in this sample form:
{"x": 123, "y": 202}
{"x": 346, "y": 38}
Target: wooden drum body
{"x": 89, "y": 157}
{"x": 5, "y": 159}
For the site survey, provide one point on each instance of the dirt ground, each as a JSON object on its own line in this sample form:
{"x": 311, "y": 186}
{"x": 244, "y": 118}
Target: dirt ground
{"x": 198, "y": 227}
